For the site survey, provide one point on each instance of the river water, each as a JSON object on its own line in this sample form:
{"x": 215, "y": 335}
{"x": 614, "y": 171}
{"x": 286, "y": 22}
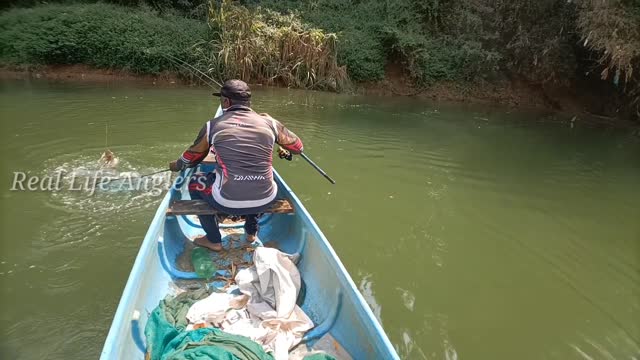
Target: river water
{"x": 473, "y": 232}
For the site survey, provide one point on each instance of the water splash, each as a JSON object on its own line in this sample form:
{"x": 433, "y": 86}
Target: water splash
{"x": 408, "y": 299}
{"x": 366, "y": 288}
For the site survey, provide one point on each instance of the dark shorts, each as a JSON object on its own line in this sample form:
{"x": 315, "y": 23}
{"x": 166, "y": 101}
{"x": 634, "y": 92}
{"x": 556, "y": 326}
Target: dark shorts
{"x": 201, "y": 187}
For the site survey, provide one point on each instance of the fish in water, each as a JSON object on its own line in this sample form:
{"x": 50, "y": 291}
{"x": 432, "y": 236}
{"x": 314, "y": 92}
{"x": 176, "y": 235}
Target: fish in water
{"x": 108, "y": 159}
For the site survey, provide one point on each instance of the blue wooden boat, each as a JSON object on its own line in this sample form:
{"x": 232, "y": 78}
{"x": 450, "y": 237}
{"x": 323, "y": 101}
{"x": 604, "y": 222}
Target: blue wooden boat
{"x": 331, "y": 300}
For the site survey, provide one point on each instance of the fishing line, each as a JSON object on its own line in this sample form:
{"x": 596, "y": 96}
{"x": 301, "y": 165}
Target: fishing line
{"x": 141, "y": 176}
{"x": 192, "y": 68}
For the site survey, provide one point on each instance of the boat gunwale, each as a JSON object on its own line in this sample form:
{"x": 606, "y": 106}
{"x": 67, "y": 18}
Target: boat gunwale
{"x": 341, "y": 271}
{"x": 146, "y": 248}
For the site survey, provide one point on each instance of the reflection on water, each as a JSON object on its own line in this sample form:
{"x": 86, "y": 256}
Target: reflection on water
{"x": 471, "y": 232}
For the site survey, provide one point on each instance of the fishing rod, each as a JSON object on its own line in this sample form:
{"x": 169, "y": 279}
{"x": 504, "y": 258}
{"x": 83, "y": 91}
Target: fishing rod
{"x": 286, "y": 154}
{"x": 304, "y": 156}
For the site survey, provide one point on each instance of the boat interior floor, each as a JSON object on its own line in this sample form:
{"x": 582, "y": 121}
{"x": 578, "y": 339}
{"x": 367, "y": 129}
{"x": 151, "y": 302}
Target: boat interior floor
{"x": 238, "y": 254}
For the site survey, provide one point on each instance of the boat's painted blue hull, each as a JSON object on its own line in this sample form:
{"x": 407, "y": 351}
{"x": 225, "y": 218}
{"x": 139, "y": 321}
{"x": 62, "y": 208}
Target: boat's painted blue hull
{"x": 332, "y": 300}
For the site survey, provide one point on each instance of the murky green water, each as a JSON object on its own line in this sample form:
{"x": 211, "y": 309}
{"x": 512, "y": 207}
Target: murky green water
{"x": 473, "y": 233}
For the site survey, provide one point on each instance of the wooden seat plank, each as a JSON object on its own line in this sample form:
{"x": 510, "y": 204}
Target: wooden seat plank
{"x": 201, "y": 207}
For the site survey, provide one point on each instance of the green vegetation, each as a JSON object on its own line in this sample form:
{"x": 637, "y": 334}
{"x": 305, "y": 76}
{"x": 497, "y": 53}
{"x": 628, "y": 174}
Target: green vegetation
{"x": 324, "y": 43}
{"x": 542, "y": 43}
{"x": 375, "y": 33}
{"x": 101, "y": 35}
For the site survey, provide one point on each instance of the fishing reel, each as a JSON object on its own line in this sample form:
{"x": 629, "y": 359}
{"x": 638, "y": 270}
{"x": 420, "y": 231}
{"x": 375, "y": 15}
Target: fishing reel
{"x": 284, "y": 154}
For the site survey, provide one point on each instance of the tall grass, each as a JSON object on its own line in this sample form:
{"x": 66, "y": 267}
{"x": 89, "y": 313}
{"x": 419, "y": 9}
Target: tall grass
{"x": 262, "y": 46}
{"x": 612, "y": 30}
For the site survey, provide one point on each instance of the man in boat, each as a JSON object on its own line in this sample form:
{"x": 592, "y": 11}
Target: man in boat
{"x": 242, "y": 141}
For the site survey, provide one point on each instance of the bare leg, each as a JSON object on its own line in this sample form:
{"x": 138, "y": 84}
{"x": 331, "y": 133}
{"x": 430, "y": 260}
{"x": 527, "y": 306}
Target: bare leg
{"x": 204, "y": 242}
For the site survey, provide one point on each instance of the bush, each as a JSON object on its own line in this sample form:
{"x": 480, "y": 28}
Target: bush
{"x": 264, "y": 46}
{"x": 363, "y": 55}
{"x": 101, "y": 35}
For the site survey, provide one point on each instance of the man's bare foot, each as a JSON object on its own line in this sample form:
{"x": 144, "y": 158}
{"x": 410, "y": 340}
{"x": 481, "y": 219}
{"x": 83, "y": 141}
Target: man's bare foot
{"x": 204, "y": 242}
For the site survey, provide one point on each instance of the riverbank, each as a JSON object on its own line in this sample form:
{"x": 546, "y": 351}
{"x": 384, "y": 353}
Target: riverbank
{"x": 442, "y": 56}
{"x": 88, "y": 74}
{"x": 564, "y": 102}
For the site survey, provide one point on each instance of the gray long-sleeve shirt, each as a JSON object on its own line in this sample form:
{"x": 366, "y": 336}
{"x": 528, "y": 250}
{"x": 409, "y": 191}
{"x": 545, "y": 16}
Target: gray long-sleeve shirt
{"x": 242, "y": 141}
